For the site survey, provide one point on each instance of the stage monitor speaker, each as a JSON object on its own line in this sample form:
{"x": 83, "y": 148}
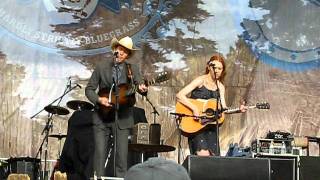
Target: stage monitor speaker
{"x": 155, "y": 133}
{"x": 309, "y": 168}
{"x": 283, "y": 169}
{"x": 227, "y": 168}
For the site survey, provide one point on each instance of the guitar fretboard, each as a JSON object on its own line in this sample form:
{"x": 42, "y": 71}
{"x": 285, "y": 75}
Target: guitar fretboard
{"x": 237, "y": 110}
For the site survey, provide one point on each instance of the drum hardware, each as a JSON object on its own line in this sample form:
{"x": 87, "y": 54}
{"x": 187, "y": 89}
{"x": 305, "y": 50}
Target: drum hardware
{"x": 56, "y": 110}
{"x": 59, "y": 137}
{"x": 79, "y": 105}
{"x": 52, "y": 110}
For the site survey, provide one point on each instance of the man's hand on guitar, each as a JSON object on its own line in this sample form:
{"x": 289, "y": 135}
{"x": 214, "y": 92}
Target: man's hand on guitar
{"x": 143, "y": 88}
{"x": 104, "y": 101}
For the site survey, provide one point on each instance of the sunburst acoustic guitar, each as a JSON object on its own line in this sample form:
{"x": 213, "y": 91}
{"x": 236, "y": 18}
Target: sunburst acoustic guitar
{"x": 127, "y": 93}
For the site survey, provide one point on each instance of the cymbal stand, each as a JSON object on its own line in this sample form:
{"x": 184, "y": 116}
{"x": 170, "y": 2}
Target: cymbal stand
{"x": 49, "y": 125}
{"x": 68, "y": 89}
{"x": 59, "y": 150}
{"x": 45, "y": 141}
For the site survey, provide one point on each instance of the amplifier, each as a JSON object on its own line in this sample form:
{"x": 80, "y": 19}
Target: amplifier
{"x": 140, "y": 133}
{"x": 271, "y": 146}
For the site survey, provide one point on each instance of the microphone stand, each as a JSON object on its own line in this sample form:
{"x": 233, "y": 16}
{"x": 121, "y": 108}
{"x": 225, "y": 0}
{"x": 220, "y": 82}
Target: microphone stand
{"x": 48, "y": 127}
{"x": 178, "y": 121}
{"x": 217, "y": 115}
{"x": 154, "y": 112}
{"x": 116, "y": 116}
{"x": 155, "y": 129}
{"x": 66, "y": 91}
{"x": 178, "y": 117}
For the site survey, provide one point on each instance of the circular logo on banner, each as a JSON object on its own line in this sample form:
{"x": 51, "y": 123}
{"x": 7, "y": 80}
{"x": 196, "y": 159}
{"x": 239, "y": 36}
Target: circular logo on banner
{"x": 288, "y": 36}
{"x": 82, "y": 27}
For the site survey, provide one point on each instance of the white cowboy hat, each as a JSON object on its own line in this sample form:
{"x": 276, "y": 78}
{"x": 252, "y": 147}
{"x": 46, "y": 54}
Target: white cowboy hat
{"x": 125, "y": 42}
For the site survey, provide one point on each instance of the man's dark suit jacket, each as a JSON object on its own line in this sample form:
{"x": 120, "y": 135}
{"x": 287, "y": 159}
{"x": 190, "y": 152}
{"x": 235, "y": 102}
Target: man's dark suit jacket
{"x": 102, "y": 78}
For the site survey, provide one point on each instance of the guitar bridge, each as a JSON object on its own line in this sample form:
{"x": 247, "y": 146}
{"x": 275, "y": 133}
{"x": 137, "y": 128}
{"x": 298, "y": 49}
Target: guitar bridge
{"x": 205, "y": 120}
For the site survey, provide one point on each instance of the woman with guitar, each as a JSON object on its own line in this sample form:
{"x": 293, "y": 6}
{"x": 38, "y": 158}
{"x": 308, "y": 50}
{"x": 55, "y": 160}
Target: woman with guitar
{"x": 205, "y": 87}
{"x": 111, "y": 74}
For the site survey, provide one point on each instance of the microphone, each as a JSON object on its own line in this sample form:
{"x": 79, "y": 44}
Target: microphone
{"x": 115, "y": 54}
{"x": 69, "y": 81}
{"x": 212, "y": 65}
{"x": 78, "y": 85}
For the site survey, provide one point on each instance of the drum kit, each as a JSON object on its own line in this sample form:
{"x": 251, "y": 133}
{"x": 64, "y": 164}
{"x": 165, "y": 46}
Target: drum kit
{"x": 31, "y": 166}
{"x": 74, "y": 105}
{"x": 77, "y": 105}
{"x": 53, "y": 110}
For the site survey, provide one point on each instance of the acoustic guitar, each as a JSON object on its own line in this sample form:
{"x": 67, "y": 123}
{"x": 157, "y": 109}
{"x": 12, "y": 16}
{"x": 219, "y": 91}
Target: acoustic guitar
{"x": 208, "y": 108}
{"x": 127, "y": 93}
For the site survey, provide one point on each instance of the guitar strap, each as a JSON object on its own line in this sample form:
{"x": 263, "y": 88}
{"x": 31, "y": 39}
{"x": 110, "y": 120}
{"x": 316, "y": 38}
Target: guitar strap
{"x": 133, "y": 87}
{"x": 130, "y": 75}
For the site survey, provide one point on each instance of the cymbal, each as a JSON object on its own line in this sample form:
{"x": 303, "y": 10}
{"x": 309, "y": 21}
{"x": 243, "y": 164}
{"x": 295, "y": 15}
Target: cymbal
{"x": 79, "y": 105}
{"x": 56, "y": 110}
{"x": 59, "y": 136}
{"x": 150, "y": 148}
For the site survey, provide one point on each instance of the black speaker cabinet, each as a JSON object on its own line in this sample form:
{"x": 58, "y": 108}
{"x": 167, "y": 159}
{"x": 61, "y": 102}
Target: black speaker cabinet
{"x": 283, "y": 168}
{"x": 155, "y": 133}
{"x": 227, "y": 168}
{"x": 309, "y": 168}
{"x": 238, "y": 168}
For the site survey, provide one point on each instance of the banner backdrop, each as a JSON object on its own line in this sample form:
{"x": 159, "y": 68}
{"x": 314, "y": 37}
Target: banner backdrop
{"x": 272, "y": 51}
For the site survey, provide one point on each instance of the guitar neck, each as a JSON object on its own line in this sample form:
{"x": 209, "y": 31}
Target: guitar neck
{"x": 237, "y": 110}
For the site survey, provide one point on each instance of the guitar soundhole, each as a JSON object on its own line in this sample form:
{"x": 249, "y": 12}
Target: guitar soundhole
{"x": 210, "y": 112}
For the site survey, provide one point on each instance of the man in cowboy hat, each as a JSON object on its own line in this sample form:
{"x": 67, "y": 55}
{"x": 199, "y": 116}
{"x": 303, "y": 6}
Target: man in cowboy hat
{"x": 108, "y": 74}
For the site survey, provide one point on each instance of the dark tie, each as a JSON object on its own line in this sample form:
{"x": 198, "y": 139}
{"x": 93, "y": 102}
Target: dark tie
{"x": 117, "y": 68}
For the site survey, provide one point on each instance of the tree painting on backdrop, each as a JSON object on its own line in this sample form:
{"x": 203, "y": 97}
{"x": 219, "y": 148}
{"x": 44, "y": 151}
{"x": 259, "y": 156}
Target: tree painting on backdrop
{"x": 272, "y": 52}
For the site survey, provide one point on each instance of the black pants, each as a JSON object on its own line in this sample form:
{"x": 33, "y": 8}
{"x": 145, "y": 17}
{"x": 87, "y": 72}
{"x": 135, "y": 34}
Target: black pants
{"x": 102, "y": 131}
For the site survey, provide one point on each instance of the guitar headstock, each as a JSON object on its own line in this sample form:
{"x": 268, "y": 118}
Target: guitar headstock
{"x": 161, "y": 77}
{"x": 263, "y": 105}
